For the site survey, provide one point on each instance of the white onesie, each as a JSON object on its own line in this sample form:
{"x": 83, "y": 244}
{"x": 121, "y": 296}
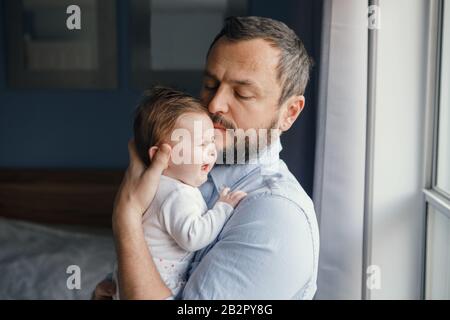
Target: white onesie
{"x": 176, "y": 224}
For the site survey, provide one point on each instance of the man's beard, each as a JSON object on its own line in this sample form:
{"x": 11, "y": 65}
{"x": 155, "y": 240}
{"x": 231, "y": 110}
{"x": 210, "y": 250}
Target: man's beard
{"x": 245, "y": 148}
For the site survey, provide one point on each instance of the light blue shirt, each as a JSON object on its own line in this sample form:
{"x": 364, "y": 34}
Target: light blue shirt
{"x": 269, "y": 247}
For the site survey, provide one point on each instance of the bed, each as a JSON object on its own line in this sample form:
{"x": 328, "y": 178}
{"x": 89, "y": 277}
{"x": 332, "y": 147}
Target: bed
{"x": 51, "y": 220}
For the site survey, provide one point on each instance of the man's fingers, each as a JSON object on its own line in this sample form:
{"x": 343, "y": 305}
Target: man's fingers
{"x": 159, "y": 162}
{"x": 162, "y": 156}
{"x": 225, "y": 191}
{"x": 105, "y": 290}
{"x": 238, "y": 194}
{"x": 107, "y": 287}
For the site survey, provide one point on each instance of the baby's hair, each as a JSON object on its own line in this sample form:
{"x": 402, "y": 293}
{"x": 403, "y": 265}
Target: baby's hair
{"x": 156, "y": 115}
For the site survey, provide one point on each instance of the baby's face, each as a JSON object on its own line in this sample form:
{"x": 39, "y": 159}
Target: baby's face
{"x": 193, "y": 149}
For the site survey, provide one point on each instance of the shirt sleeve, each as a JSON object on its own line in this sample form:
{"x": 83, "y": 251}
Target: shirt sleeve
{"x": 188, "y": 225}
{"x": 266, "y": 251}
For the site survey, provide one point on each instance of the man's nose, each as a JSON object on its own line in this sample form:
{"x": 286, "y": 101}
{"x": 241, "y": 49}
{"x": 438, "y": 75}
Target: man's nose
{"x": 219, "y": 103}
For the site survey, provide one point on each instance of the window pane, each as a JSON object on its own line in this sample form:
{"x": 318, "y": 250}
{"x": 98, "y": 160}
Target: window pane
{"x": 49, "y": 45}
{"x": 170, "y": 39}
{"x": 178, "y": 32}
{"x": 443, "y": 151}
{"x": 53, "y": 45}
{"x": 438, "y": 255}
{"x": 181, "y": 32}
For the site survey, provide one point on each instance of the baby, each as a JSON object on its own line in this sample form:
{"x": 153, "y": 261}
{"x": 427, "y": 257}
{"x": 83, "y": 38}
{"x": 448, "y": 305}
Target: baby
{"x": 178, "y": 222}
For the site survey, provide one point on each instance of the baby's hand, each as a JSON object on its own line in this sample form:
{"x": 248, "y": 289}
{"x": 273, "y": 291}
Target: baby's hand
{"x": 232, "y": 198}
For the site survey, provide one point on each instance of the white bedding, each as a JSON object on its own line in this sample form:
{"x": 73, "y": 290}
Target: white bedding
{"x": 34, "y": 259}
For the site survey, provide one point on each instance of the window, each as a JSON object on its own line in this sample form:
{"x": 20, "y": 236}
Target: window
{"x": 170, "y": 39}
{"x": 43, "y": 53}
{"x": 437, "y": 279}
{"x": 438, "y": 255}
{"x": 443, "y": 143}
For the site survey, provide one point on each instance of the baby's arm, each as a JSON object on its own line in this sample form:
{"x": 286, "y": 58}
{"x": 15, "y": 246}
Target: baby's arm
{"x": 191, "y": 228}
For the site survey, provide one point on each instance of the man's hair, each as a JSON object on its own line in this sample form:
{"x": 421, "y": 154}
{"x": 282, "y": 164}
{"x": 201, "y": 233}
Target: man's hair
{"x": 156, "y": 115}
{"x": 294, "y": 65}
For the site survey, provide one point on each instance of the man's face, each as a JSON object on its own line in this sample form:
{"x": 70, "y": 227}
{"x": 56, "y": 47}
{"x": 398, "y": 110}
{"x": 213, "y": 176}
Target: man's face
{"x": 240, "y": 86}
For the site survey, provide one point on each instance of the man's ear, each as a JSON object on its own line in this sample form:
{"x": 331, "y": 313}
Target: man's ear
{"x": 290, "y": 113}
{"x": 152, "y": 152}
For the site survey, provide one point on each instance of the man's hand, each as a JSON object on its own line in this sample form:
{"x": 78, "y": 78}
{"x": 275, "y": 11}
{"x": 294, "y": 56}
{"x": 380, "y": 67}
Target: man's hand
{"x": 104, "y": 290}
{"x": 137, "y": 274}
{"x": 232, "y": 198}
{"x": 139, "y": 184}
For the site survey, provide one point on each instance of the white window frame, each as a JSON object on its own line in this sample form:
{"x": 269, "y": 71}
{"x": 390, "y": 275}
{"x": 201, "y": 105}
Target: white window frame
{"x": 435, "y": 197}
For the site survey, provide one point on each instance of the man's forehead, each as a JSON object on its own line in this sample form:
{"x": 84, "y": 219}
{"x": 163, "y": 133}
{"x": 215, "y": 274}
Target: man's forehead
{"x": 243, "y": 58}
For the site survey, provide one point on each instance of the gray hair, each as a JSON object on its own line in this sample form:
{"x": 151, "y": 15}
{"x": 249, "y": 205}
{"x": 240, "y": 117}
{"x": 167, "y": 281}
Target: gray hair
{"x": 295, "y": 64}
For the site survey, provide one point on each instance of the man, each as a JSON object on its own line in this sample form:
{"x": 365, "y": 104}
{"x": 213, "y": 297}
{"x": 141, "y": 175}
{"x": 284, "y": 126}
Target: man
{"x": 255, "y": 77}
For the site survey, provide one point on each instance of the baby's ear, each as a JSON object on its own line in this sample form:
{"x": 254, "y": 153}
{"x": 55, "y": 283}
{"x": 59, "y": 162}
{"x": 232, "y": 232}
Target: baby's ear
{"x": 151, "y": 152}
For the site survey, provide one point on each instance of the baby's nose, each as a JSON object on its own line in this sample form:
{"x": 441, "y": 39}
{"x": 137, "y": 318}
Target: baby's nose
{"x": 213, "y": 152}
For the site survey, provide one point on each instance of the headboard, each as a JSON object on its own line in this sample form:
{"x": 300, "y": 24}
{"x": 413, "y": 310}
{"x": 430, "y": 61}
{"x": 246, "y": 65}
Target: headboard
{"x": 76, "y": 197}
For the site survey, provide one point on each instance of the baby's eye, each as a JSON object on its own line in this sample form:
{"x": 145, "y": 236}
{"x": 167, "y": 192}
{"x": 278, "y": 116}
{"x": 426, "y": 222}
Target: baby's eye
{"x": 205, "y": 144}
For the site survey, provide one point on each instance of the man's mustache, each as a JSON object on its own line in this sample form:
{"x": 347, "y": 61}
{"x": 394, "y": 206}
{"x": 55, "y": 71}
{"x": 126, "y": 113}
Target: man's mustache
{"x": 218, "y": 119}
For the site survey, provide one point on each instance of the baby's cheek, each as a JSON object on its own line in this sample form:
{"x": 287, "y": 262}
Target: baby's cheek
{"x": 196, "y": 156}
{"x": 209, "y": 154}
{"x": 182, "y": 154}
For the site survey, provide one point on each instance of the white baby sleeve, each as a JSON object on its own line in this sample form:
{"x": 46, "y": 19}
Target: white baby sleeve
{"x": 191, "y": 228}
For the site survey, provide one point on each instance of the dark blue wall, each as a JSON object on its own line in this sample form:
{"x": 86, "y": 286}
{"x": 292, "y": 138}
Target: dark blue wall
{"x": 67, "y": 128}
{"x": 305, "y": 18}
{"x": 76, "y": 129}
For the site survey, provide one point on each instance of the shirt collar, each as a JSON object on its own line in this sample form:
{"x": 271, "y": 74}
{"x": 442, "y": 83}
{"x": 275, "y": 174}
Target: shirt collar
{"x": 229, "y": 175}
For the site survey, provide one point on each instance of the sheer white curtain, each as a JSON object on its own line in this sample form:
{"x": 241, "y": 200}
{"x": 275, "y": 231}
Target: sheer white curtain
{"x": 340, "y": 153}
{"x": 382, "y": 202}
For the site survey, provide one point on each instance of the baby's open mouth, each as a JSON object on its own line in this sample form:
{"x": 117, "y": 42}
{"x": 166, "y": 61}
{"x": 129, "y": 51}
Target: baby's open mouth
{"x": 205, "y": 167}
{"x": 219, "y": 127}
